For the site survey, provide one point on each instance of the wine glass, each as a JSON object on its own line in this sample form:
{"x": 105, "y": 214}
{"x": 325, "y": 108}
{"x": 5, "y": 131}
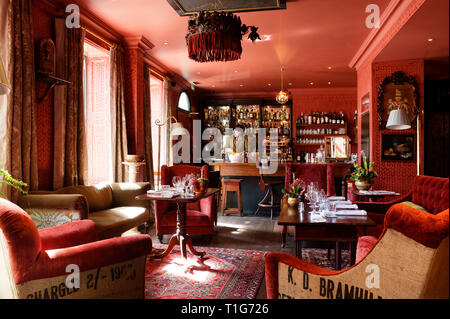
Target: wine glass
{"x": 177, "y": 183}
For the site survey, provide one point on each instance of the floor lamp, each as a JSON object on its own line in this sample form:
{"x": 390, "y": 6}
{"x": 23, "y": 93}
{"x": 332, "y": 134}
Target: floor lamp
{"x": 176, "y": 129}
{"x": 4, "y": 85}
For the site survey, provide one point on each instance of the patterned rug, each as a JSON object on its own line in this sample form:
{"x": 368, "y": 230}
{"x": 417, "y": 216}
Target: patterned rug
{"x": 223, "y": 274}
{"x": 319, "y": 257}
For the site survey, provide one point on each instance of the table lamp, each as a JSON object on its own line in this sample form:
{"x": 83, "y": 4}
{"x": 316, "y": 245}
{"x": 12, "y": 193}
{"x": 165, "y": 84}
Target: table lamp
{"x": 4, "y": 85}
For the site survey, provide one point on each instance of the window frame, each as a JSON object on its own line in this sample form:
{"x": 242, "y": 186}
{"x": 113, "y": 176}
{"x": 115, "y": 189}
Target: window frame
{"x": 184, "y": 92}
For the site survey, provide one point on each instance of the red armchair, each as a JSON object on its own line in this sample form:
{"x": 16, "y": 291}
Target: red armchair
{"x": 431, "y": 194}
{"x": 33, "y": 263}
{"x": 408, "y": 261}
{"x": 323, "y": 174}
{"x": 200, "y": 216}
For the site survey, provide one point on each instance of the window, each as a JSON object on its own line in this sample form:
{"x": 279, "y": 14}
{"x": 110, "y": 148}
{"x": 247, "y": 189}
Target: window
{"x": 183, "y": 102}
{"x": 157, "y": 103}
{"x": 98, "y": 114}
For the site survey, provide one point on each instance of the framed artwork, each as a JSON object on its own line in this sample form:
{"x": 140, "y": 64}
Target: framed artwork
{"x": 397, "y": 91}
{"x": 396, "y": 147}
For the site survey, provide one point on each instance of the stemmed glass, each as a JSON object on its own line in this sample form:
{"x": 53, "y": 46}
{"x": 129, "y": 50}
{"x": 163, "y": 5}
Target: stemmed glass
{"x": 177, "y": 182}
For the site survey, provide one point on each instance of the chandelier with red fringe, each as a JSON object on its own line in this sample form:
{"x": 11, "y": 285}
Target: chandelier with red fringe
{"x": 216, "y": 36}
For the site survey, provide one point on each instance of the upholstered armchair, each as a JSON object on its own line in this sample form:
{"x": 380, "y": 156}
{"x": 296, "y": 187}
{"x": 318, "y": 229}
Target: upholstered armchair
{"x": 42, "y": 264}
{"x": 200, "y": 216}
{"x": 428, "y": 193}
{"x": 408, "y": 261}
{"x": 112, "y": 207}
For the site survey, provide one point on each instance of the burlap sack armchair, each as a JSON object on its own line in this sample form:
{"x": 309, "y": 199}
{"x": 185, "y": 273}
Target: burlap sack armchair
{"x": 408, "y": 261}
{"x": 43, "y": 264}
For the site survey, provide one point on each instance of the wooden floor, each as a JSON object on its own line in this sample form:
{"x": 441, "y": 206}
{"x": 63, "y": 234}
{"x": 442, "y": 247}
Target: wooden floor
{"x": 247, "y": 232}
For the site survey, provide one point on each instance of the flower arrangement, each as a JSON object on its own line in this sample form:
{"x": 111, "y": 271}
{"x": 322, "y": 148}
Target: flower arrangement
{"x": 7, "y": 179}
{"x": 364, "y": 174}
{"x": 295, "y": 189}
{"x": 199, "y": 182}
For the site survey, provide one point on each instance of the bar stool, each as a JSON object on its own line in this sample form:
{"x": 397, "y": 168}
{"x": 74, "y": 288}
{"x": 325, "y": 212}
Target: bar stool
{"x": 269, "y": 187}
{"x": 231, "y": 185}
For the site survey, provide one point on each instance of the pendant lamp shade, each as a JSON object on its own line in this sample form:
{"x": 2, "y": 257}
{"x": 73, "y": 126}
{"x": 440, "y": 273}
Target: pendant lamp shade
{"x": 398, "y": 120}
{"x": 4, "y": 85}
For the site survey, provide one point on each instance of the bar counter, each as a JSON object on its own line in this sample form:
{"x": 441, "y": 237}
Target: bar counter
{"x": 250, "y": 189}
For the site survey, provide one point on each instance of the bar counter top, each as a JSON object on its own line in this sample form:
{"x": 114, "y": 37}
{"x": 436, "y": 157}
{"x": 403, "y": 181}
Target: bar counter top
{"x": 251, "y": 169}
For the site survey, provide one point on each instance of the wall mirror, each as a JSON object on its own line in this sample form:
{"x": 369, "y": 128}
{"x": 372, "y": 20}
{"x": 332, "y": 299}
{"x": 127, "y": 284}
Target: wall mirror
{"x": 337, "y": 148}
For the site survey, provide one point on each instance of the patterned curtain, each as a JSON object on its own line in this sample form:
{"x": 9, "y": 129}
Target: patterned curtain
{"x": 69, "y": 117}
{"x": 148, "y": 147}
{"x": 22, "y": 102}
{"x": 118, "y": 125}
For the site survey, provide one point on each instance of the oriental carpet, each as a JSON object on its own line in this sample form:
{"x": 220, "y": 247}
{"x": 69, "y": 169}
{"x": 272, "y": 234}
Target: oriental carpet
{"x": 223, "y": 274}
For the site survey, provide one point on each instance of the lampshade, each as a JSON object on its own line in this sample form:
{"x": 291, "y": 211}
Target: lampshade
{"x": 4, "y": 86}
{"x": 178, "y": 129}
{"x": 398, "y": 120}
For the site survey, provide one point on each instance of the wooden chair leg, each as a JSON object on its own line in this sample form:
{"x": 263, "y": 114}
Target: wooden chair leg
{"x": 224, "y": 201}
{"x": 240, "y": 203}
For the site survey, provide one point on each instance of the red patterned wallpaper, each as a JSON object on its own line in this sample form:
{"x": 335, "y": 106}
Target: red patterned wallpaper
{"x": 394, "y": 175}
{"x": 42, "y": 25}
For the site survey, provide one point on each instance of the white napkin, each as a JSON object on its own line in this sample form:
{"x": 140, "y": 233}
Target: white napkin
{"x": 351, "y": 213}
{"x": 153, "y": 192}
{"x": 346, "y": 206}
{"x": 343, "y": 202}
{"x": 336, "y": 198}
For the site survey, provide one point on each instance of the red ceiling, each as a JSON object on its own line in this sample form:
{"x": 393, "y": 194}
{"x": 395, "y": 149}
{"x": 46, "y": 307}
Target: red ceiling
{"x": 305, "y": 39}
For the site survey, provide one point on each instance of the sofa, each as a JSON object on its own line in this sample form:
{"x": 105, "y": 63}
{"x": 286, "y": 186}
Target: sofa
{"x": 67, "y": 261}
{"x": 428, "y": 193}
{"x": 112, "y": 207}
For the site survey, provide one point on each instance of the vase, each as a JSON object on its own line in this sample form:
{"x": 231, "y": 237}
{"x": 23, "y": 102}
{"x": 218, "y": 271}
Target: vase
{"x": 201, "y": 186}
{"x": 363, "y": 185}
{"x": 293, "y": 201}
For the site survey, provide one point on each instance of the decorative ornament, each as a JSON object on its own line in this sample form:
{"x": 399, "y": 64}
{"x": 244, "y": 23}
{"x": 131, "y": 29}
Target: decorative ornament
{"x": 282, "y": 96}
{"x": 216, "y": 36}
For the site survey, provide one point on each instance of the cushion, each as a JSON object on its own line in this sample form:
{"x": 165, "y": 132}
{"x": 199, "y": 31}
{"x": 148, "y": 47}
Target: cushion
{"x": 411, "y": 204}
{"x": 193, "y": 218}
{"x": 99, "y": 197}
{"x": 124, "y": 194}
{"x": 115, "y": 221}
{"x": 365, "y": 245}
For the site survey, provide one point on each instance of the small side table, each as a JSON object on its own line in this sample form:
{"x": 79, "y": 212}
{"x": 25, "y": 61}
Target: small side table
{"x": 181, "y": 238}
{"x": 133, "y": 170}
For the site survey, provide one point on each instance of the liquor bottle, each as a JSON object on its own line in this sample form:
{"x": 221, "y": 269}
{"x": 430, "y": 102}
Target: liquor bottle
{"x": 342, "y": 118}
{"x": 309, "y": 118}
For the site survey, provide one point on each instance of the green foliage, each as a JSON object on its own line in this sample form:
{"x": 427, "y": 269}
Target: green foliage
{"x": 364, "y": 172}
{"x": 7, "y": 179}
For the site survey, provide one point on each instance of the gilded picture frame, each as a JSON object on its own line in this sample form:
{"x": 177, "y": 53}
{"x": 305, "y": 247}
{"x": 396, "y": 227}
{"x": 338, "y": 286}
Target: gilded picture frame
{"x": 397, "y": 91}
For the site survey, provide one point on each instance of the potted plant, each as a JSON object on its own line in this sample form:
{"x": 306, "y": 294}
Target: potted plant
{"x": 363, "y": 175}
{"x": 294, "y": 192}
{"x": 7, "y": 179}
{"x": 200, "y": 183}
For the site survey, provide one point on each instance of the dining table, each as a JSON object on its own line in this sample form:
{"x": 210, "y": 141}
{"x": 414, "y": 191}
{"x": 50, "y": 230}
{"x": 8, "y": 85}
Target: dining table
{"x": 310, "y": 227}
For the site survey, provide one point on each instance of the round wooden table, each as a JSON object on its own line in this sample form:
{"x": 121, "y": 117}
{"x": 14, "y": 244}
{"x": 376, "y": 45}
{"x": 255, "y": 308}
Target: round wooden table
{"x": 373, "y": 197}
{"x": 181, "y": 237}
